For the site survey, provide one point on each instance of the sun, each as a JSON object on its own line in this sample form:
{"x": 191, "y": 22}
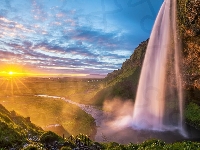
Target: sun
{"x": 10, "y": 73}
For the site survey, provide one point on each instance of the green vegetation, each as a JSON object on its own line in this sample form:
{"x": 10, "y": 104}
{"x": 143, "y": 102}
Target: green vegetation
{"x": 19, "y": 133}
{"x": 76, "y": 89}
{"x": 129, "y": 67}
{"x": 123, "y": 82}
{"x": 192, "y": 115}
{"x": 16, "y": 130}
{"x": 19, "y": 94}
{"x": 124, "y": 88}
{"x": 47, "y": 111}
{"x": 49, "y": 137}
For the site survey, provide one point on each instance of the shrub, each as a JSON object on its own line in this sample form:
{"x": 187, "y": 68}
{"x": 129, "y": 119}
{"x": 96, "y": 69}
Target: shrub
{"x": 192, "y": 115}
{"x": 49, "y": 137}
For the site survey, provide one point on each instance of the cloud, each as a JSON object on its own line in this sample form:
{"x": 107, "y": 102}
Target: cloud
{"x": 65, "y": 35}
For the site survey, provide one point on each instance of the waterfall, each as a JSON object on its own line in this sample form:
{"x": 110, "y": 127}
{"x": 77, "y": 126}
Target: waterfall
{"x": 159, "y": 100}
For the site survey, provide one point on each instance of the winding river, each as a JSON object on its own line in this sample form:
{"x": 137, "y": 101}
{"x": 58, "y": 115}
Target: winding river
{"x": 107, "y": 132}
{"x": 98, "y": 115}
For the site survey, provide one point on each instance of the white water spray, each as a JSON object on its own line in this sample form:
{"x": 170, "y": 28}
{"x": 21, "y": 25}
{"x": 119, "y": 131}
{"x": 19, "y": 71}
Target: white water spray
{"x": 159, "y": 100}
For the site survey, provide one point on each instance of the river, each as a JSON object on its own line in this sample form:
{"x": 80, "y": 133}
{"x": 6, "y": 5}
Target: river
{"x": 107, "y": 132}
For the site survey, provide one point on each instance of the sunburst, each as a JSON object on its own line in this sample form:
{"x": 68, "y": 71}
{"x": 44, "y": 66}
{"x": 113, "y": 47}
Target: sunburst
{"x": 10, "y": 73}
{"x": 11, "y": 83}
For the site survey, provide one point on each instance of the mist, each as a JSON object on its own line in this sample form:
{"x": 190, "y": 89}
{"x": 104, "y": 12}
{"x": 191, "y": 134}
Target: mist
{"x": 116, "y": 118}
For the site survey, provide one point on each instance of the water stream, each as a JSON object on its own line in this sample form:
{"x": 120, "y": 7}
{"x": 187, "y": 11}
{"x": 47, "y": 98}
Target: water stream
{"x": 106, "y": 132}
{"x": 159, "y": 94}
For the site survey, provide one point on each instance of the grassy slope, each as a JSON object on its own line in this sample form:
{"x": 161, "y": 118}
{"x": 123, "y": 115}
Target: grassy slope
{"x": 153, "y": 144}
{"x": 15, "y": 129}
{"x": 79, "y": 90}
{"x": 45, "y": 111}
{"x": 192, "y": 115}
{"x": 123, "y": 82}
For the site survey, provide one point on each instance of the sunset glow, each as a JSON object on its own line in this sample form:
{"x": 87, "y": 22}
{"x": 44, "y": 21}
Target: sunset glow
{"x": 72, "y": 38}
{"x": 11, "y": 73}
{"x": 37, "y": 74}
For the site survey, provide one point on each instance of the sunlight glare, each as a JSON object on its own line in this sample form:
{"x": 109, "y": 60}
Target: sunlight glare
{"x": 10, "y": 73}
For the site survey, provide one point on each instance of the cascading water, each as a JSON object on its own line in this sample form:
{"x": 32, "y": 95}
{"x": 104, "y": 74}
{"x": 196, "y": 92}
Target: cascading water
{"x": 159, "y": 99}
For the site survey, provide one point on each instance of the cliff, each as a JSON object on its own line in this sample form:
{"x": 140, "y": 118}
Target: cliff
{"x": 123, "y": 82}
{"x": 189, "y": 25}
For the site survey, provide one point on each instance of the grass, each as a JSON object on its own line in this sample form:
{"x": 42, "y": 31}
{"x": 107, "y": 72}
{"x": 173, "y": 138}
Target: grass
{"x": 46, "y": 111}
{"x": 19, "y": 95}
{"x": 15, "y": 130}
{"x": 79, "y": 90}
{"x": 125, "y": 87}
{"x": 18, "y": 132}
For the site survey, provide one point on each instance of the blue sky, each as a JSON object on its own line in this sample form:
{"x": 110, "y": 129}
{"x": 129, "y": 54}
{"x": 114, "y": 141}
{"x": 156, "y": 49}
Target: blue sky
{"x": 88, "y": 37}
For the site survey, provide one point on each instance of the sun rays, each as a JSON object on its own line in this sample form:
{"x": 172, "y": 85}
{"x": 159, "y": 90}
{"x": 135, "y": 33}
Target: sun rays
{"x": 11, "y": 74}
{"x": 11, "y": 83}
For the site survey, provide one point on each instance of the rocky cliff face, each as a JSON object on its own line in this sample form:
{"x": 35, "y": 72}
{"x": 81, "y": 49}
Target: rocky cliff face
{"x": 189, "y": 12}
{"x": 189, "y": 25}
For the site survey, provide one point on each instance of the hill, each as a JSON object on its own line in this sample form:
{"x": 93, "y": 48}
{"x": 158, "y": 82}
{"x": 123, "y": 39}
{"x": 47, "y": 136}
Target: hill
{"x": 16, "y": 130}
{"x": 123, "y": 82}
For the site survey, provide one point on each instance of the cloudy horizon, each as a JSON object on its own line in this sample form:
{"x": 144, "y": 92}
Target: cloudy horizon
{"x": 73, "y": 36}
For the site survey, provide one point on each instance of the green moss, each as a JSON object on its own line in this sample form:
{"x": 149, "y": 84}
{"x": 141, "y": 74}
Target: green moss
{"x": 192, "y": 114}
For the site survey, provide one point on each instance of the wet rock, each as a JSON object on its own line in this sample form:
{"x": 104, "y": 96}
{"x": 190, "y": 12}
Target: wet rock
{"x": 189, "y": 25}
{"x": 192, "y": 18}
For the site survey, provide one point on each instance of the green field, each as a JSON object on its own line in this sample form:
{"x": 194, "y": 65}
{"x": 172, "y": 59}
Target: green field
{"x": 19, "y": 94}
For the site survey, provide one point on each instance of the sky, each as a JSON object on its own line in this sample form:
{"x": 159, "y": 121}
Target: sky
{"x": 72, "y": 37}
